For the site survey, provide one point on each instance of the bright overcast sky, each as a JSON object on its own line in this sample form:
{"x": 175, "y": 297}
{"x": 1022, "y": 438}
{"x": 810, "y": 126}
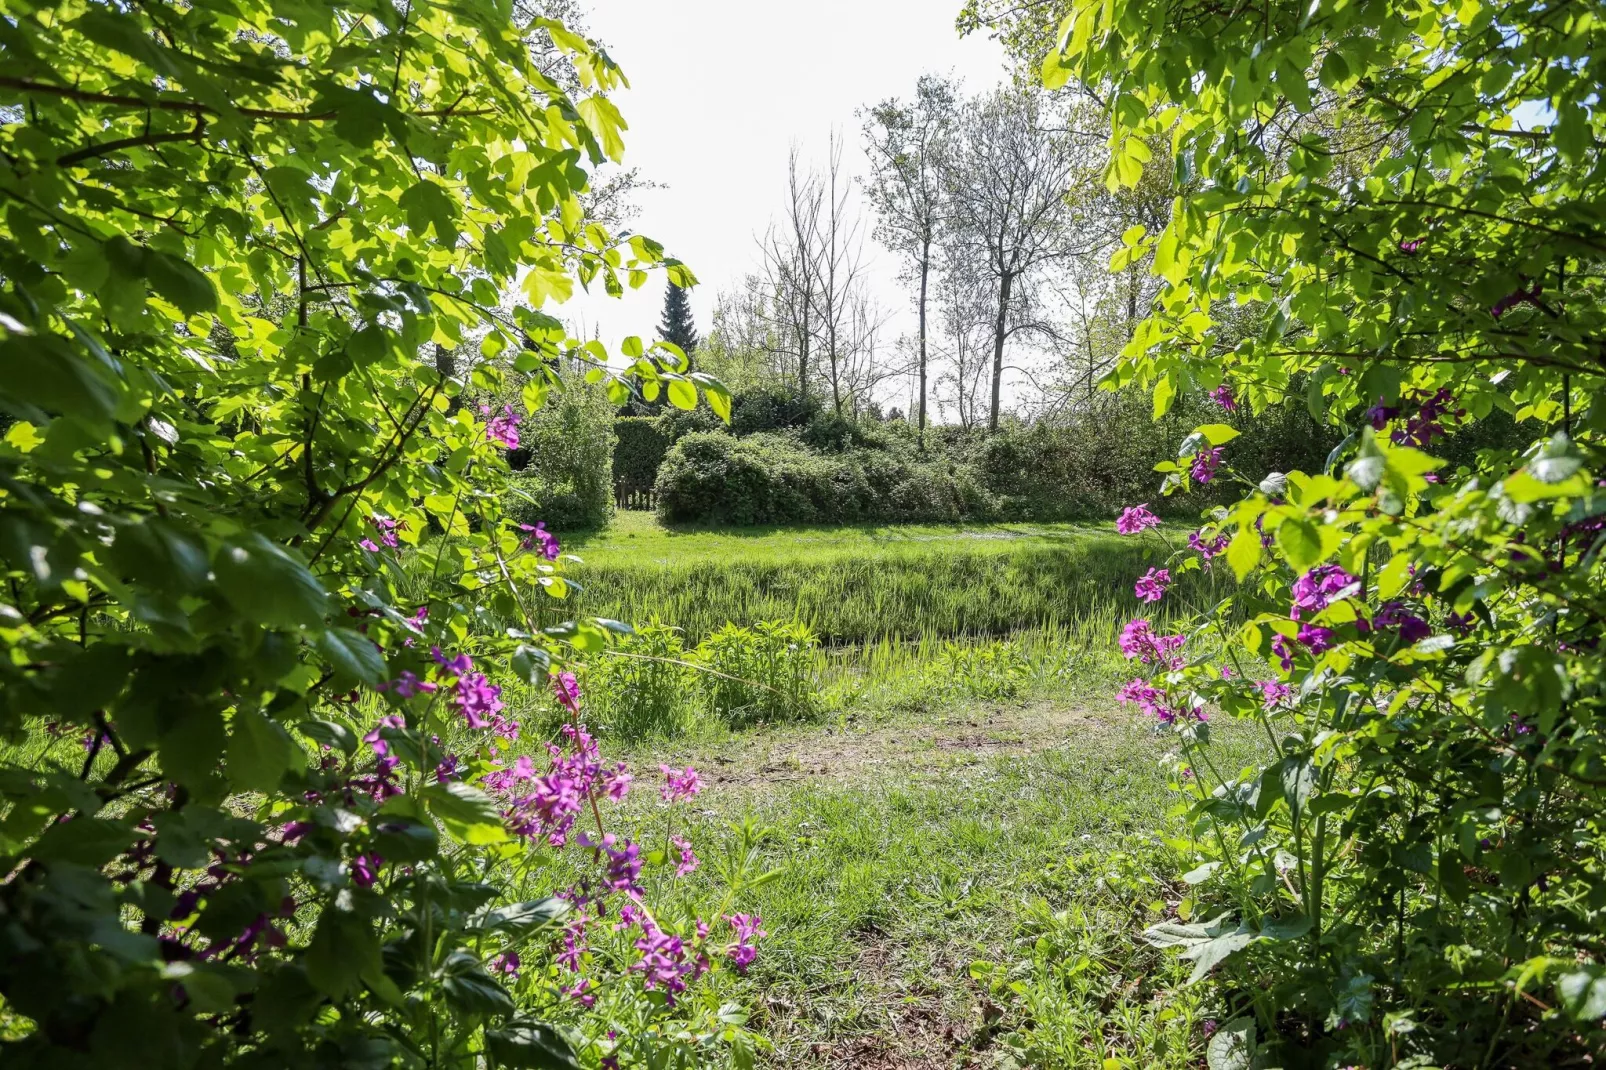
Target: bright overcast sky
{"x": 719, "y": 91}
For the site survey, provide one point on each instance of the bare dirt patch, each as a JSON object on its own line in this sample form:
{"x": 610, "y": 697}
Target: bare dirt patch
{"x": 840, "y": 753}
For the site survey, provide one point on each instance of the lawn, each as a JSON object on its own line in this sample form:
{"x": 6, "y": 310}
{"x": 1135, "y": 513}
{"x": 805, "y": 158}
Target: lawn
{"x": 962, "y": 829}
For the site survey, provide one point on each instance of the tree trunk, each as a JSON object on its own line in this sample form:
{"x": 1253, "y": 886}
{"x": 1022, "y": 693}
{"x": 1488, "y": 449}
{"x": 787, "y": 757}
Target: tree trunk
{"x": 1004, "y": 286}
{"x": 446, "y": 364}
{"x": 925, "y": 272}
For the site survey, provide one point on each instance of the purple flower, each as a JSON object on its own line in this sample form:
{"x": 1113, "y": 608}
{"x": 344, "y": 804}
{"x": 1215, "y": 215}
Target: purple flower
{"x": 1280, "y": 648}
{"x": 1515, "y": 298}
{"x": 365, "y": 869}
{"x": 1427, "y": 423}
{"x": 616, "y": 784}
{"x": 1135, "y": 519}
{"x": 1210, "y": 549}
{"x": 477, "y": 699}
{"x": 507, "y": 962}
{"x": 1206, "y": 463}
{"x": 454, "y": 666}
{"x": 1380, "y": 414}
{"x": 369, "y": 545}
{"x": 387, "y": 529}
{"x": 1318, "y": 640}
{"x": 1152, "y": 584}
{"x": 1412, "y": 628}
{"x": 748, "y": 933}
{"x": 566, "y": 689}
{"x": 663, "y": 962}
{"x": 580, "y": 994}
{"x": 540, "y": 536}
{"x": 407, "y": 685}
{"x": 1222, "y": 395}
{"x": 376, "y": 740}
{"x": 447, "y": 769}
{"x": 1275, "y": 693}
{"x": 688, "y": 862}
{"x": 1410, "y": 248}
{"x": 502, "y": 428}
{"x": 680, "y": 784}
{"x": 1320, "y": 588}
{"x": 1139, "y": 641}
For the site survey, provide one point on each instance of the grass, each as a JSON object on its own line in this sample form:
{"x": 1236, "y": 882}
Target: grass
{"x": 957, "y": 889}
{"x": 858, "y": 585}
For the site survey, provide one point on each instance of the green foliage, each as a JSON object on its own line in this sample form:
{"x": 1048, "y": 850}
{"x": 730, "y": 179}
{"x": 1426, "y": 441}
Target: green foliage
{"x": 771, "y": 479}
{"x": 568, "y": 448}
{"x": 994, "y": 670}
{"x": 638, "y": 450}
{"x": 233, "y": 237}
{"x": 763, "y": 673}
{"x": 1410, "y": 192}
{"x": 645, "y": 687}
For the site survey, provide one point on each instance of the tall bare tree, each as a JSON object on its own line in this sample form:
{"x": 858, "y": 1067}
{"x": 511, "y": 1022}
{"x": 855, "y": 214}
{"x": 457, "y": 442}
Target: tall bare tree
{"x": 839, "y": 260}
{"x": 905, "y": 142}
{"x": 791, "y": 270}
{"x": 1011, "y": 167}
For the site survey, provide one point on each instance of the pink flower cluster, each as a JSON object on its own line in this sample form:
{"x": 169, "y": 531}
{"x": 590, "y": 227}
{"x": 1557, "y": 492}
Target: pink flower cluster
{"x": 1208, "y": 549}
{"x": 1222, "y": 395}
{"x": 503, "y": 428}
{"x": 1135, "y": 519}
{"x": 1139, "y": 641}
{"x": 1206, "y": 463}
{"x": 1320, "y": 588}
{"x": 748, "y": 932}
{"x": 1151, "y": 586}
{"x": 679, "y": 784}
{"x": 545, "y": 804}
{"x": 538, "y": 535}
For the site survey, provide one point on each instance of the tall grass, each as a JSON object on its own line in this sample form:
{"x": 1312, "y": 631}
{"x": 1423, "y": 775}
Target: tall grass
{"x": 863, "y": 585}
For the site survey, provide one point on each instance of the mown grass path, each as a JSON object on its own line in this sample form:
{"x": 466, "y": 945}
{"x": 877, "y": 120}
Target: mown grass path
{"x": 910, "y": 849}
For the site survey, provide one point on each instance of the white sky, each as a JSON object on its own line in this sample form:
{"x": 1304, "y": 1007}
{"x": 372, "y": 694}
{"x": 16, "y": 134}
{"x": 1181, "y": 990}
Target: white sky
{"x": 720, "y": 89}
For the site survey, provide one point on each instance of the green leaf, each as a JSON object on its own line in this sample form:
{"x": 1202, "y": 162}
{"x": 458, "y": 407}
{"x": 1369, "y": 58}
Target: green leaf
{"x": 1217, "y": 434}
{"x": 84, "y": 841}
{"x": 467, "y": 813}
{"x": 344, "y": 947}
{"x": 1232, "y": 1046}
{"x": 330, "y": 734}
{"x": 1243, "y": 552}
{"x": 179, "y": 282}
{"x": 354, "y": 655}
{"x": 267, "y": 585}
{"x": 530, "y": 1045}
{"x": 260, "y": 752}
{"x": 682, "y": 395}
{"x": 1557, "y": 461}
{"x": 1583, "y": 992}
{"x": 519, "y": 919}
{"x": 1300, "y": 541}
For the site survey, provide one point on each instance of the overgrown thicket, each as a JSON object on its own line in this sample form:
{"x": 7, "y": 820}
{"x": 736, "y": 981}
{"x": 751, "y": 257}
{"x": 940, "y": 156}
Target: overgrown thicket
{"x": 789, "y": 462}
{"x": 257, "y": 804}
{"x": 564, "y": 461}
{"x": 1416, "y": 876}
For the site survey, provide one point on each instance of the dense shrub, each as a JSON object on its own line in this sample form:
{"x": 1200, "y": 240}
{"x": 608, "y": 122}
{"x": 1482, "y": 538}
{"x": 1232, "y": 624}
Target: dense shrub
{"x": 567, "y": 449}
{"x": 1414, "y": 874}
{"x": 644, "y": 687}
{"x": 256, "y": 803}
{"x": 774, "y": 479}
{"x": 676, "y": 424}
{"x": 771, "y": 408}
{"x": 638, "y": 450}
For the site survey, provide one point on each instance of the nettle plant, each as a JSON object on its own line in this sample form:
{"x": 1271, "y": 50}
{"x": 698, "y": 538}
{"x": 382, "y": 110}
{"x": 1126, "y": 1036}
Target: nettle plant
{"x": 258, "y": 809}
{"x": 1406, "y": 196}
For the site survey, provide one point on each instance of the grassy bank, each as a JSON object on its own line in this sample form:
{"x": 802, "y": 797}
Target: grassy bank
{"x": 857, "y": 585}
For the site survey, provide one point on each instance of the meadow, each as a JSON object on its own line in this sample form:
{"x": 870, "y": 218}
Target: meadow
{"x": 950, "y": 833}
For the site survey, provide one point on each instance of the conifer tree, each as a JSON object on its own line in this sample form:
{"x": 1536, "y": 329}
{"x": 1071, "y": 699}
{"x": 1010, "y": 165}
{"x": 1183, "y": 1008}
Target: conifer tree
{"x": 677, "y": 325}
